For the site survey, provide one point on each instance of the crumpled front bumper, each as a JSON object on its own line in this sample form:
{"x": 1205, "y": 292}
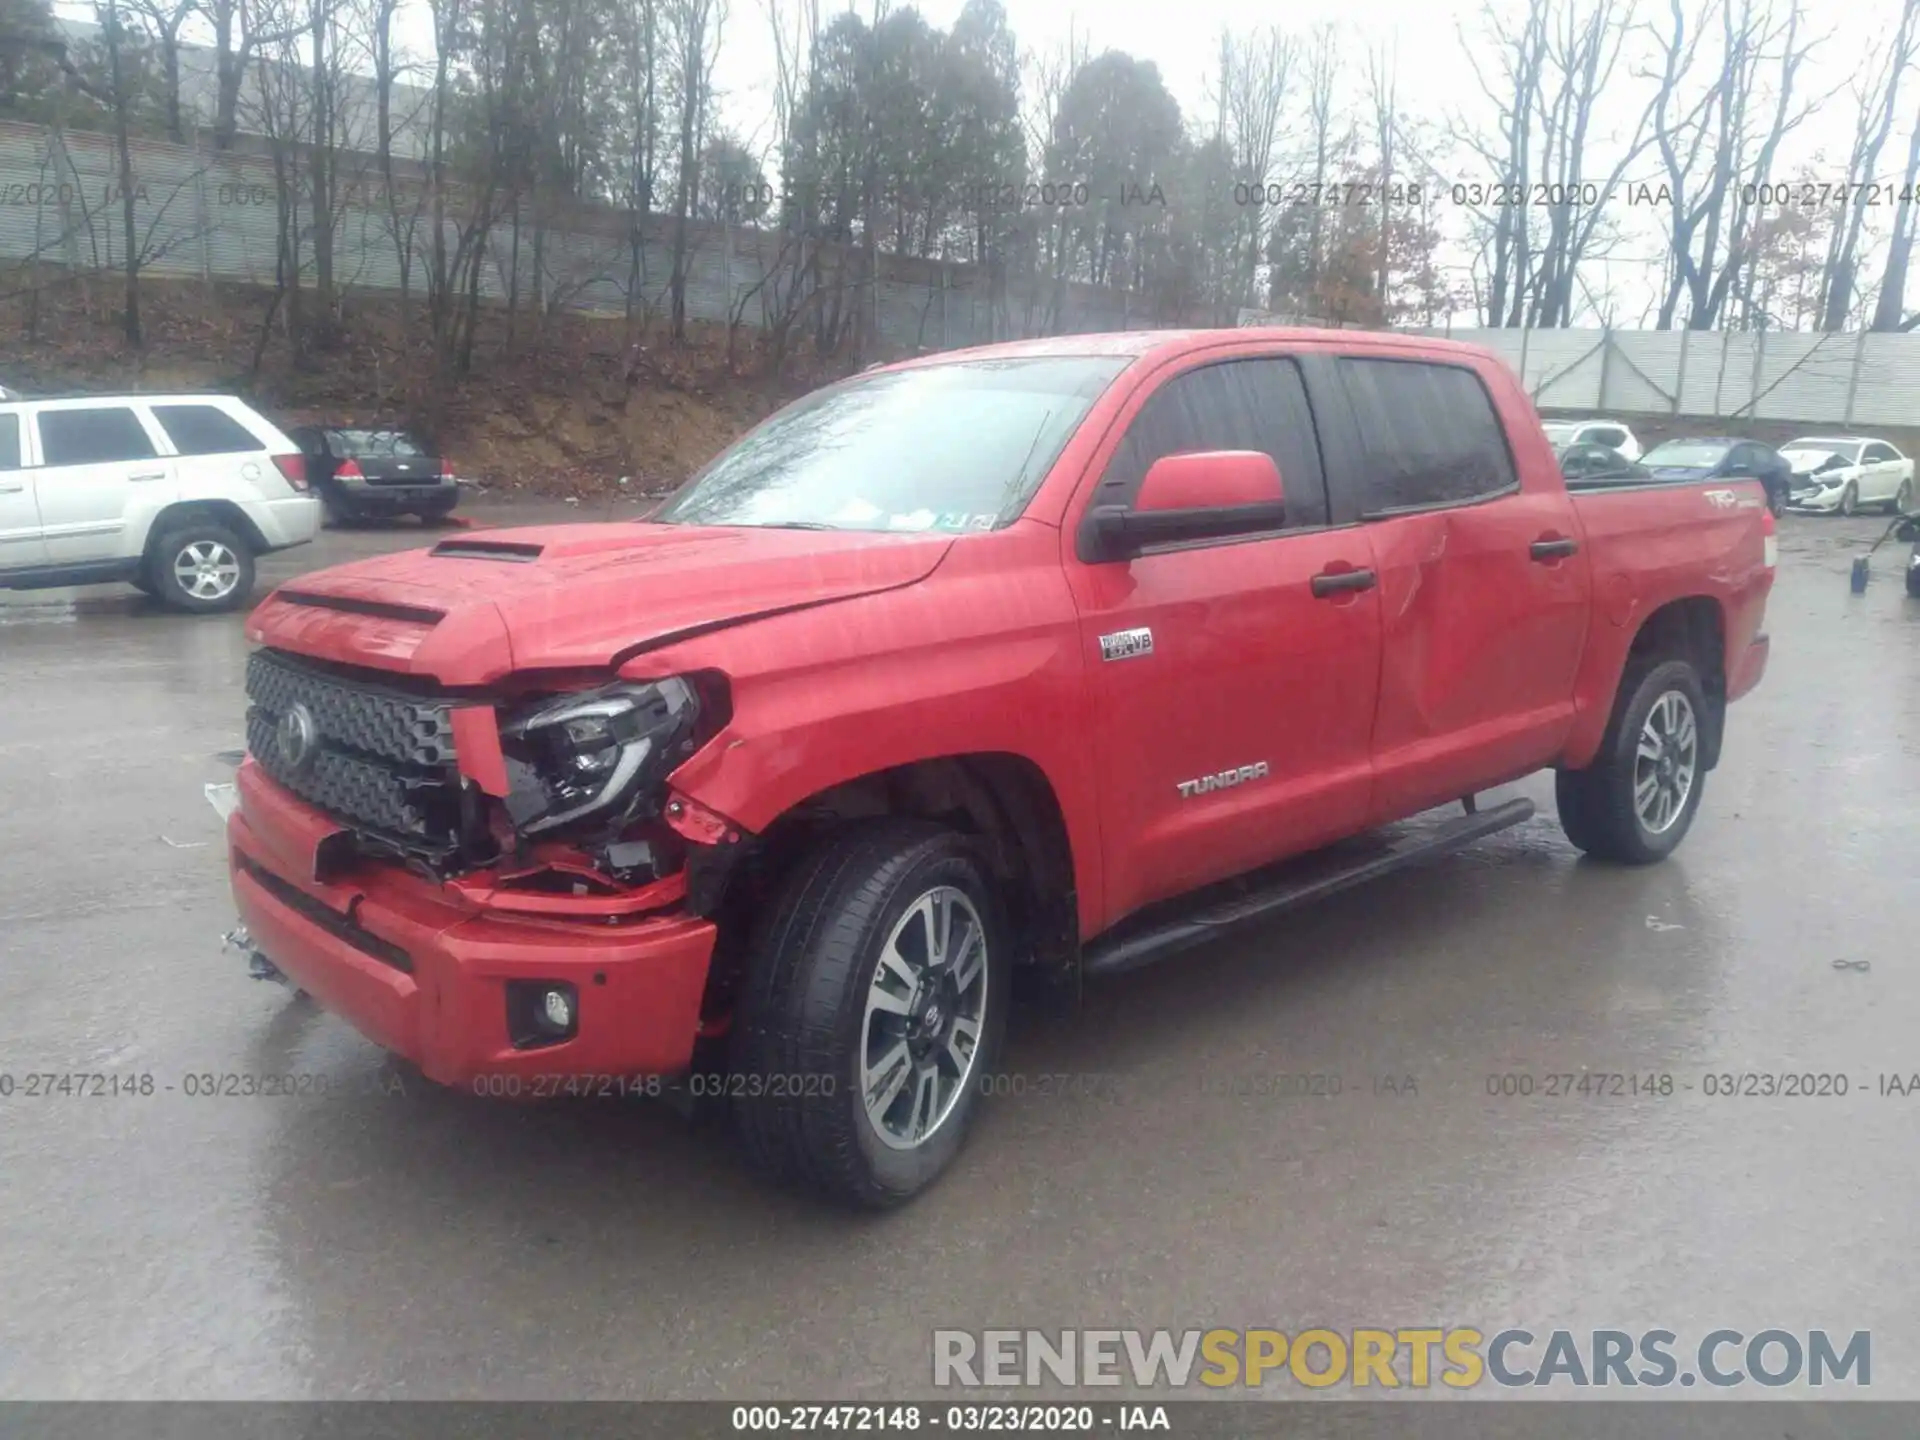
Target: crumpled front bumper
{"x": 423, "y": 974}
{"x": 1818, "y": 502}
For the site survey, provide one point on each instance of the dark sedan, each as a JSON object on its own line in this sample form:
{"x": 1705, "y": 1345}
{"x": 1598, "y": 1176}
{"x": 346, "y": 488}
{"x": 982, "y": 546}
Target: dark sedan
{"x": 363, "y": 473}
{"x": 1722, "y": 458}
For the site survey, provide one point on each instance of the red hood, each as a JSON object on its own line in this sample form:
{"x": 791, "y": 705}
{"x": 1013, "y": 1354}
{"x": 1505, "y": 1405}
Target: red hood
{"x": 481, "y": 605}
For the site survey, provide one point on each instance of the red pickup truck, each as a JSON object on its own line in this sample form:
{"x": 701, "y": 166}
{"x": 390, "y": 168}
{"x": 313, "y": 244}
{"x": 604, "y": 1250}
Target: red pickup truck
{"x": 1044, "y": 656}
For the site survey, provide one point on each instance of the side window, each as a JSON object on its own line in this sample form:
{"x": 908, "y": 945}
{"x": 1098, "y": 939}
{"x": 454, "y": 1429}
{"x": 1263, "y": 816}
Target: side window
{"x": 205, "y": 430}
{"x": 92, "y": 437}
{"x": 1429, "y": 434}
{"x": 9, "y": 442}
{"x": 1877, "y": 454}
{"x": 1235, "y": 405}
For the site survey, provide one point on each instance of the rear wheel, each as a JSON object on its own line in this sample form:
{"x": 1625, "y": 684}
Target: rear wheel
{"x": 1636, "y": 801}
{"x": 200, "y": 567}
{"x": 1913, "y": 575}
{"x": 1850, "y": 499}
{"x": 437, "y": 511}
{"x": 1903, "y": 499}
{"x": 875, "y": 1002}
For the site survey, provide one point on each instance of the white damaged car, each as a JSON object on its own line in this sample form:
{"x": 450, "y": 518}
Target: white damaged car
{"x": 1845, "y": 473}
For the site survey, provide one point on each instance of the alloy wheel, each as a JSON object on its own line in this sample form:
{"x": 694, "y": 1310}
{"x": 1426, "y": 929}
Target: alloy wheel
{"x": 925, "y": 1014}
{"x": 1666, "y": 762}
{"x": 206, "y": 570}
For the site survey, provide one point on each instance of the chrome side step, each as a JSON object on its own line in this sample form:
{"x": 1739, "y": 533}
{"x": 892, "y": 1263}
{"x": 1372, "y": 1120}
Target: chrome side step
{"x": 1128, "y": 948}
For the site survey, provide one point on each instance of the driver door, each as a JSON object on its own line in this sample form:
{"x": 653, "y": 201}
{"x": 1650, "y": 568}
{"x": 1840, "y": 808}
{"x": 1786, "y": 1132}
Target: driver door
{"x": 1220, "y": 657}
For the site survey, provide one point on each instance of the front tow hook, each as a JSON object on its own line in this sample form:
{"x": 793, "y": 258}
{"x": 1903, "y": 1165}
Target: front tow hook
{"x": 259, "y": 967}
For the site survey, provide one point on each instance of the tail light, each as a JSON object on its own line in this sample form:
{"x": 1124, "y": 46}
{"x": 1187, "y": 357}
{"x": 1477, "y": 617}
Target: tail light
{"x": 349, "y": 470}
{"x": 446, "y": 471}
{"x": 294, "y": 469}
{"x": 1770, "y": 542}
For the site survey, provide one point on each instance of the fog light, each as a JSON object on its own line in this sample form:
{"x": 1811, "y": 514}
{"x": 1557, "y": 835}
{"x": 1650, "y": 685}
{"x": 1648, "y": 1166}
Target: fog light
{"x": 541, "y": 1012}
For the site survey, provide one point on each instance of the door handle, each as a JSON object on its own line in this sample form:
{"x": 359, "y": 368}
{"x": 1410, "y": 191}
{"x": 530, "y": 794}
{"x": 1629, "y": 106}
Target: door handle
{"x": 1342, "y": 582}
{"x": 1544, "y": 550}
{"x": 145, "y": 475}
{"x": 12, "y": 489}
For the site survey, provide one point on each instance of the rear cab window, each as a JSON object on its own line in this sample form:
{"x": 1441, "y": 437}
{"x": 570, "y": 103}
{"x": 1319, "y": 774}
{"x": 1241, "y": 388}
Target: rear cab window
{"x": 1259, "y": 403}
{"x": 1429, "y": 435}
{"x": 205, "y": 430}
{"x": 93, "y": 435}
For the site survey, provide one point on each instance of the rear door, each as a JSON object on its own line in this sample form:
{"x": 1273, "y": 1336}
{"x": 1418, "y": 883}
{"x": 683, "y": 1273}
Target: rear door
{"x": 1223, "y": 657}
{"x": 94, "y": 461}
{"x": 1483, "y": 590}
{"x": 1881, "y": 473}
{"x": 21, "y": 544}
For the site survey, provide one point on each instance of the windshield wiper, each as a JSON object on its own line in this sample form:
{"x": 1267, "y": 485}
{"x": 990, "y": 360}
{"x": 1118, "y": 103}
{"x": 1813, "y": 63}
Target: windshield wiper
{"x": 798, "y": 525}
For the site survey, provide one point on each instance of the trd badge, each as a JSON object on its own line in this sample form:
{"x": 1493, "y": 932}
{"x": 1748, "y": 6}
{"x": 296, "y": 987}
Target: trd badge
{"x": 1126, "y": 644}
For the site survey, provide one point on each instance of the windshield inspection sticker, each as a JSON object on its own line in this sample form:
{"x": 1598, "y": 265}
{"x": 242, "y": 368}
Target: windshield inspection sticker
{"x": 918, "y": 520}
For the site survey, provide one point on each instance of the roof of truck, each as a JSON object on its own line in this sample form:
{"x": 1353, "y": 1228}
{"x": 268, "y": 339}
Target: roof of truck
{"x": 1145, "y": 342}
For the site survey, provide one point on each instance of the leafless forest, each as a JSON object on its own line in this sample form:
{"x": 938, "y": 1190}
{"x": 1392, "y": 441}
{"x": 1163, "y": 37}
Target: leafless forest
{"x": 1667, "y": 134}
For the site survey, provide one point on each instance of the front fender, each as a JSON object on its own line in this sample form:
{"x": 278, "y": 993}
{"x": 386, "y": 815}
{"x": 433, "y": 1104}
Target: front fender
{"x": 982, "y": 658}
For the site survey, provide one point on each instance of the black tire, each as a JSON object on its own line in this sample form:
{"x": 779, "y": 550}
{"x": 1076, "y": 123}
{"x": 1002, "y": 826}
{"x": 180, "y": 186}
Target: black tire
{"x": 1902, "y": 499}
{"x": 798, "y": 1047}
{"x": 1850, "y": 500}
{"x": 171, "y": 548}
{"x": 437, "y": 513}
{"x": 1913, "y": 580}
{"x": 1597, "y": 808}
{"x": 141, "y": 583}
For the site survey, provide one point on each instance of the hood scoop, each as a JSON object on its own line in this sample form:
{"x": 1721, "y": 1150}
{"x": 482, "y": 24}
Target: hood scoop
{"x": 518, "y": 551}
{"x": 358, "y": 605}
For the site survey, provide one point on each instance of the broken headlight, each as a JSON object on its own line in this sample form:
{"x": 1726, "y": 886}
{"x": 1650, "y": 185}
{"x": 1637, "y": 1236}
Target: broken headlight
{"x": 597, "y": 756}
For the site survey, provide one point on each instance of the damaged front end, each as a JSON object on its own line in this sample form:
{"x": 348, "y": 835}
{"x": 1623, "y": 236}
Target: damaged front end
{"x": 536, "y": 802}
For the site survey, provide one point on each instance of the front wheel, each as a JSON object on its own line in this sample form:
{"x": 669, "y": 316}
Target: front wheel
{"x": 1636, "y": 801}
{"x": 875, "y": 1001}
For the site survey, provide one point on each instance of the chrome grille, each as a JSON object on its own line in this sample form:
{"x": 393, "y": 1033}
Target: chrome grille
{"x": 380, "y": 760}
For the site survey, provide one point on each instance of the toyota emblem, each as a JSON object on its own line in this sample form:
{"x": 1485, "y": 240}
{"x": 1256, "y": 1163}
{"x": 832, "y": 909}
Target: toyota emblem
{"x": 297, "y": 737}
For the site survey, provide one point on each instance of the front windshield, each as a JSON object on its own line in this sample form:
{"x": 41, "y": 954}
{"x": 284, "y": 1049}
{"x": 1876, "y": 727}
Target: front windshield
{"x": 957, "y": 446}
{"x": 1686, "y": 455}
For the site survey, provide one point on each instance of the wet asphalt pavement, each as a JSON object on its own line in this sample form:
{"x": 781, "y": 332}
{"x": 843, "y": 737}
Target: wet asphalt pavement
{"x": 379, "y": 1238}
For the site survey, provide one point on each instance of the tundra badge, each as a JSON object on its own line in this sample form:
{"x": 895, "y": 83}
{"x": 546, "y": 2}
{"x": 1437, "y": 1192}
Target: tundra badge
{"x": 1126, "y": 644}
{"x": 1226, "y": 779}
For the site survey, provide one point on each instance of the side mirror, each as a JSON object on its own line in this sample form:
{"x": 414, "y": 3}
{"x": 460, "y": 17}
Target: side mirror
{"x": 1202, "y": 496}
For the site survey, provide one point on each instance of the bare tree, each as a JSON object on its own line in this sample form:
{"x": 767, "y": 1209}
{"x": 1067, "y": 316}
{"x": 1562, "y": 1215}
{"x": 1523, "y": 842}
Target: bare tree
{"x": 1497, "y": 205}
{"x": 165, "y": 19}
{"x": 1730, "y": 128}
{"x": 1582, "y": 51}
{"x": 695, "y": 26}
{"x": 1889, "y": 310}
{"x": 1254, "y": 74}
{"x": 1873, "y": 121}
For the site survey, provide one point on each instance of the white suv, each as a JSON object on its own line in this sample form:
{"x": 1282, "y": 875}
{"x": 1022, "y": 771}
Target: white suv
{"x": 175, "y": 494}
{"x": 1610, "y": 433}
